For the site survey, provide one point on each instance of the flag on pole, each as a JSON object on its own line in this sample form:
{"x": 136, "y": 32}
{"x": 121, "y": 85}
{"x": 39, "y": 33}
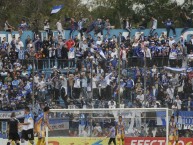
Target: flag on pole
{"x": 56, "y": 9}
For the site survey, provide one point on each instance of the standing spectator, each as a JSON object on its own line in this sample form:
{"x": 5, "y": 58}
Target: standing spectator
{"x": 189, "y": 104}
{"x": 19, "y": 44}
{"x": 47, "y": 26}
{"x": 128, "y": 26}
{"x": 70, "y": 43}
{"x": 22, "y": 27}
{"x": 170, "y": 92}
{"x": 39, "y": 57}
{"x": 124, "y": 57}
{"x": 180, "y": 51}
{"x": 143, "y": 24}
{"x": 59, "y": 55}
{"x": 103, "y": 84}
{"x": 148, "y": 57}
{"x": 8, "y": 27}
{"x": 80, "y": 26}
{"x": 188, "y": 24}
{"x": 173, "y": 56}
{"x": 71, "y": 57}
{"x": 60, "y": 29}
{"x": 129, "y": 87}
{"x": 108, "y": 26}
{"x": 52, "y": 54}
{"x": 56, "y": 85}
{"x": 178, "y": 102}
{"x": 73, "y": 26}
{"x": 170, "y": 25}
{"x": 154, "y": 26}
{"x": 41, "y": 85}
{"x": 21, "y": 54}
{"x": 77, "y": 86}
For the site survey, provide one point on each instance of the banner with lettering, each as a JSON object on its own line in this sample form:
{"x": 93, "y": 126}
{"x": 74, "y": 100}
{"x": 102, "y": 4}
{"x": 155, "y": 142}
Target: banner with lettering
{"x": 154, "y": 141}
{"x": 7, "y": 114}
{"x": 59, "y": 124}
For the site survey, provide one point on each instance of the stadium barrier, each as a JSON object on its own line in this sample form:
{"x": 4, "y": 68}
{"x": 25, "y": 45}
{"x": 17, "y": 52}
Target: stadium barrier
{"x": 135, "y": 32}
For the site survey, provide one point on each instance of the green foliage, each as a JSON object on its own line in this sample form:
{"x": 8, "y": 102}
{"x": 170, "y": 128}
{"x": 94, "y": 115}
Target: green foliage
{"x": 16, "y": 10}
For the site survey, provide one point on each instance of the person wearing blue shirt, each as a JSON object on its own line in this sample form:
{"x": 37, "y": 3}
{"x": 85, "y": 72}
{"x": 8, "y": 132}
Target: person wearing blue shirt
{"x": 128, "y": 88}
{"x": 140, "y": 55}
{"x": 158, "y": 55}
{"x": 15, "y": 82}
{"x": 169, "y": 24}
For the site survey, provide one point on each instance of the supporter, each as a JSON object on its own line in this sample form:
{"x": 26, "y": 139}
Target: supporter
{"x": 154, "y": 26}
{"x": 47, "y": 26}
{"x": 189, "y": 104}
{"x": 108, "y": 26}
{"x": 73, "y": 27}
{"x": 188, "y": 23}
{"x": 59, "y": 28}
{"x": 22, "y": 27}
{"x": 127, "y": 24}
{"x": 170, "y": 25}
{"x": 189, "y": 46}
{"x": 8, "y": 27}
{"x": 143, "y": 24}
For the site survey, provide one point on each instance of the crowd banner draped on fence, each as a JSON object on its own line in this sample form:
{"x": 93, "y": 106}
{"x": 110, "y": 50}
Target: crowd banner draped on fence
{"x": 7, "y": 114}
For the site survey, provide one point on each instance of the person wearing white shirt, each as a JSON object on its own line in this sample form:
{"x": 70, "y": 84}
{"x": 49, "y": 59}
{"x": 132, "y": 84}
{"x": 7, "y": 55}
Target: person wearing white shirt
{"x": 124, "y": 57}
{"x": 71, "y": 57}
{"x": 59, "y": 28}
{"x": 19, "y": 44}
{"x": 171, "y": 41}
{"x": 112, "y": 104}
{"x": 41, "y": 89}
{"x": 135, "y": 44}
{"x": 84, "y": 84}
{"x": 77, "y": 86}
{"x": 94, "y": 87}
{"x": 147, "y": 54}
{"x": 97, "y": 130}
{"x": 170, "y": 92}
{"x": 36, "y": 78}
{"x": 99, "y": 41}
{"x": 140, "y": 97}
{"x": 64, "y": 82}
{"x": 178, "y": 102}
{"x": 114, "y": 53}
{"x": 173, "y": 56}
{"x": 154, "y": 25}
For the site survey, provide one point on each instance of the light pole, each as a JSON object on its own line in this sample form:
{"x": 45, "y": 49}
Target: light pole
{"x": 119, "y": 71}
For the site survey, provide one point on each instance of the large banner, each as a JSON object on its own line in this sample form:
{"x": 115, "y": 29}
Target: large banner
{"x": 104, "y": 141}
{"x": 155, "y": 141}
{"x": 7, "y": 114}
{"x": 62, "y": 125}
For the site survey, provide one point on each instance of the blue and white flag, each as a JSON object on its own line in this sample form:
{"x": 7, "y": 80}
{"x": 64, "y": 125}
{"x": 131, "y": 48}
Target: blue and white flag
{"x": 102, "y": 54}
{"x": 161, "y": 118}
{"x": 56, "y": 9}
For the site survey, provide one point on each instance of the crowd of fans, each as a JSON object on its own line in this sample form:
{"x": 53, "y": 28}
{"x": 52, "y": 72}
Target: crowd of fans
{"x": 85, "y": 70}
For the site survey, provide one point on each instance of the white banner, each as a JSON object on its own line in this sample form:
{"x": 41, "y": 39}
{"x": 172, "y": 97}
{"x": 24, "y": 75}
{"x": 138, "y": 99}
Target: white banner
{"x": 7, "y": 114}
